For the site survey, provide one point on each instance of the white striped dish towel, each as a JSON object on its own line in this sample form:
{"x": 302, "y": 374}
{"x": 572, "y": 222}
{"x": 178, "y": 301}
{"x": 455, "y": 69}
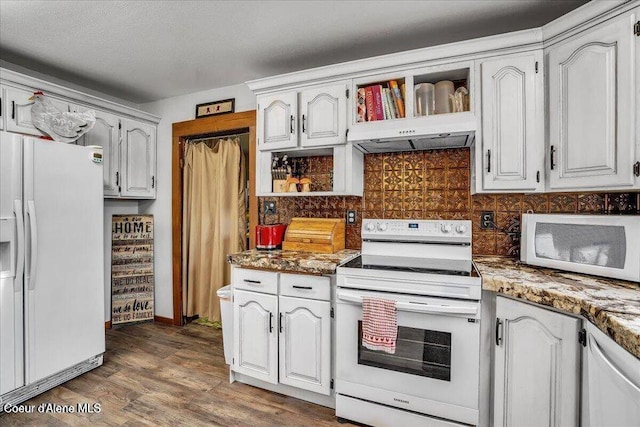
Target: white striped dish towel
{"x": 379, "y": 324}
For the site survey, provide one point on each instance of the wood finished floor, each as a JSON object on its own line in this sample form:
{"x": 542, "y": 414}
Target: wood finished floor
{"x": 168, "y": 376}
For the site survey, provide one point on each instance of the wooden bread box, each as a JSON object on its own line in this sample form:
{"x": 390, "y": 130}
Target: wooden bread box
{"x": 319, "y": 235}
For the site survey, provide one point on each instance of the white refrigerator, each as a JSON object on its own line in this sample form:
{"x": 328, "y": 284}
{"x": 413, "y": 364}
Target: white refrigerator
{"x": 51, "y": 264}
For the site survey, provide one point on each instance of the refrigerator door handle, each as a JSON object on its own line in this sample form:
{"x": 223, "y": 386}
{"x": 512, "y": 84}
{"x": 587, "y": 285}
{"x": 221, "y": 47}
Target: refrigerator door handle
{"x": 33, "y": 252}
{"x": 18, "y": 212}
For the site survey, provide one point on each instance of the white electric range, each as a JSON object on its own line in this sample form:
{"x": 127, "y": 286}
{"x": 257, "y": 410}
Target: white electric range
{"x": 433, "y": 377}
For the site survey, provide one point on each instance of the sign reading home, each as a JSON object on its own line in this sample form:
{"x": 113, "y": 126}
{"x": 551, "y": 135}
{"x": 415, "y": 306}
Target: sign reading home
{"x": 131, "y": 269}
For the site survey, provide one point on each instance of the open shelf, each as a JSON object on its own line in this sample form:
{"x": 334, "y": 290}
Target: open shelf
{"x": 381, "y": 100}
{"x": 336, "y": 171}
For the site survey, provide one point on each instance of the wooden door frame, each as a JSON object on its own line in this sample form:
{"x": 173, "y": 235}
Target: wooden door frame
{"x": 193, "y": 128}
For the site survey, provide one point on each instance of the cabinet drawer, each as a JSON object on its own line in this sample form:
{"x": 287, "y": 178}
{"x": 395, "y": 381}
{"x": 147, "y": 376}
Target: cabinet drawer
{"x": 305, "y": 286}
{"x": 255, "y": 280}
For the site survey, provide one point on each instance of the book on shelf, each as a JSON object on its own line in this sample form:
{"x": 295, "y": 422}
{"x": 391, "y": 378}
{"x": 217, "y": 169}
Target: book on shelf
{"x": 377, "y": 102}
{"x": 397, "y": 97}
{"x": 362, "y": 106}
{"x": 392, "y": 105}
{"x": 369, "y": 103}
{"x": 385, "y": 104}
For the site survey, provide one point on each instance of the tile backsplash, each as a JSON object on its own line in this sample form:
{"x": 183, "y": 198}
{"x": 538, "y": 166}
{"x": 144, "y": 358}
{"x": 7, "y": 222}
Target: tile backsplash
{"x": 436, "y": 185}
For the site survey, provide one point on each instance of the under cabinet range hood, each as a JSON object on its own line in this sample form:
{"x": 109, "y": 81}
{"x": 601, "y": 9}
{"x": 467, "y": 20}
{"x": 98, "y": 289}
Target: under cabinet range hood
{"x": 454, "y": 130}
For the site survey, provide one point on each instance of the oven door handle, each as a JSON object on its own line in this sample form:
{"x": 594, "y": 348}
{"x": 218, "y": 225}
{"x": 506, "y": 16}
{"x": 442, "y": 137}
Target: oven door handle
{"x": 416, "y": 307}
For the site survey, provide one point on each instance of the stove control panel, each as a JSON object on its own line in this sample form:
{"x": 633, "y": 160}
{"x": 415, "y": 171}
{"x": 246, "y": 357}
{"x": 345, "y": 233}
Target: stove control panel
{"x": 455, "y": 231}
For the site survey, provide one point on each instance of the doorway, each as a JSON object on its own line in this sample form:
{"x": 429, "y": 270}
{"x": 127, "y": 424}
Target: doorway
{"x": 240, "y": 125}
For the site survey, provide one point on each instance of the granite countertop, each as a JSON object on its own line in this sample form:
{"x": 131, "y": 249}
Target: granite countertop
{"x": 612, "y": 305}
{"x": 292, "y": 261}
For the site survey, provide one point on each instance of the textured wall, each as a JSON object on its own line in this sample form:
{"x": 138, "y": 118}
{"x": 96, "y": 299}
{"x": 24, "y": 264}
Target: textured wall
{"x": 436, "y": 185}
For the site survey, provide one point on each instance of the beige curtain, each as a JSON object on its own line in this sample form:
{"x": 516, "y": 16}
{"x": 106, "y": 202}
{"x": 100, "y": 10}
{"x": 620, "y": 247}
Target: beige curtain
{"x": 214, "y": 221}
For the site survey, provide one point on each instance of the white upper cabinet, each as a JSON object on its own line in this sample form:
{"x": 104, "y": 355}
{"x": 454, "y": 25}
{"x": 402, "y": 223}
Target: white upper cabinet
{"x": 278, "y": 121}
{"x": 323, "y": 116}
{"x": 19, "y": 110}
{"x": 537, "y": 366}
{"x": 593, "y": 108}
{"x": 305, "y": 344}
{"x": 512, "y": 123}
{"x": 308, "y": 118}
{"x": 138, "y": 160}
{"x": 255, "y": 351}
{"x": 106, "y": 134}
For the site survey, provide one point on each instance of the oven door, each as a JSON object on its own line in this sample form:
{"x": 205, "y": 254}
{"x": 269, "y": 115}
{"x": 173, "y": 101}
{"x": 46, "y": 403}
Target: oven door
{"x": 435, "y": 368}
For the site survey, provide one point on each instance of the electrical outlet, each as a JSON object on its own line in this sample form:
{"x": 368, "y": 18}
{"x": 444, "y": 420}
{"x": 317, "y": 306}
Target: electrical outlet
{"x": 352, "y": 217}
{"x": 269, "y": 208}
{"x": 486, "y": 221}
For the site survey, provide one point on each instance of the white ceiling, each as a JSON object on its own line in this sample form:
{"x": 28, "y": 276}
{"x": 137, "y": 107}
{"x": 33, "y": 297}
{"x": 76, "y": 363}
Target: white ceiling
{"x": 142, "y": 51}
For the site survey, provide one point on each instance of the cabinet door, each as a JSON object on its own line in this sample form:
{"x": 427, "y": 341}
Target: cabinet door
{"x": 19, "y": 110}
{"x": 537, "y": 366}
{"x": 305, "y": 344}
{"x": 106, "y": 134}
{"x": 278, "y": 121}
{"x": 324, "y": 116}
{"x": 138, "y": 160}
{"x": 512, "y": 122}
{"x": 3, "y": 106}
{"x": 612, "y": 378}
{"x": 255, "y": 346}
{"x": 592, "y": 108}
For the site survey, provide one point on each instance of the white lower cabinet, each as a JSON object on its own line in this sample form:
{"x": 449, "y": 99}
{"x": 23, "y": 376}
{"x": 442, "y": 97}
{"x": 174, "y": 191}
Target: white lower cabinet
{"x": 611, "y": 383}
{"x": 305, "y": 344}
{"x": 255, "y": 347}
{"x": 282, "y": 330}
{"x": 536, "y": 367}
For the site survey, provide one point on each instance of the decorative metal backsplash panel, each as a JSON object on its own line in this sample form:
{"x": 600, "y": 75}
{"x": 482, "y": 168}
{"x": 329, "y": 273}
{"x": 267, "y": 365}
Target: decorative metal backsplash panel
{"x": 436, "y": 185}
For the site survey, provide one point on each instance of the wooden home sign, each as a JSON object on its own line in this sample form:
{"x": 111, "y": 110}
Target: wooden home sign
{"x": 131, "y": 269}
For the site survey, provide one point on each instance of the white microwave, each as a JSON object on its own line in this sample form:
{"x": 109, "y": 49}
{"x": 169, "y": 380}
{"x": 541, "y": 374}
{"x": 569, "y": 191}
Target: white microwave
{"x": 601, "y": 245}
